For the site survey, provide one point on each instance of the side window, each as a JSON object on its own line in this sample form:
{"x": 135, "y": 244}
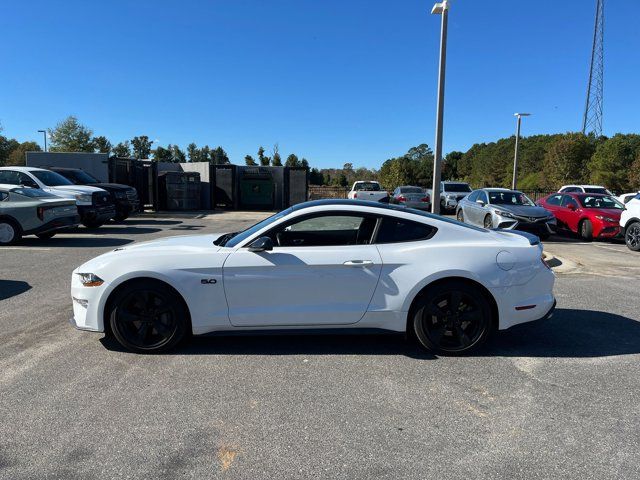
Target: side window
{"x": 554, "y": 200}
{"x": 325, "y": 230}
{"x": 4, "y": 196}
{"x": 395, "y": 230}
{"x": 483, "y": 196}
{"x": 567, "y": 200}
{"x": 25, "y": 179}
{"x": 9, "y": 177}
{"x": 473, "y": 196}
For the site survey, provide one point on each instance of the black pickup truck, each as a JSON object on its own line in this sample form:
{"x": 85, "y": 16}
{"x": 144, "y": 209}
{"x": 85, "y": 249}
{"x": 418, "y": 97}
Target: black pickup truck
{"x": 125, "y": 197}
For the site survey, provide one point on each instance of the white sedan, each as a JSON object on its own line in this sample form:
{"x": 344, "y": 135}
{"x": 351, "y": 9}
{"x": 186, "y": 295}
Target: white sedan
{"x": 328, "y": 264}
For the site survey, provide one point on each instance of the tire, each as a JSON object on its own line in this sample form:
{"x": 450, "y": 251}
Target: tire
{"x": 544, "y": 236}
{"x": 452, "y": 318}
{"x": 92, "y": 224}
{"x": 10, "y": 232}
{"x": 632, "y": 236}
{"x": 120, "y": 217}
{"x": 488, "y": 222}
{"x": 586, "y": 230}
{"x": 460, "y": 215}
{"x": 148, "y": 317}
{"x": 45, "y": 236}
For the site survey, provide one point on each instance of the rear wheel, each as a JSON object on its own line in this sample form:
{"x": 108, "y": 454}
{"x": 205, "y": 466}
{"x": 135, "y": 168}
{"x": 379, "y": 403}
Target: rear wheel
{"x": 544, "y": 236}
{"x": 148, "y": 317}
{"x": 120, "y": 217}
{"x": 92, "y": 224}
{"x": 488, "y": 222}
{"x": 632, "y": 236}
{"x": 452, "y": 318}
{"x": 45, "y": 236}
{"x": 586, "y": 230}
{"x": 460, "y": 215}
{"x": 10, "y": 232}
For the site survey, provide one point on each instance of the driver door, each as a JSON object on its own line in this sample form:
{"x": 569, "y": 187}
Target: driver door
{"x": 322, "y": 270}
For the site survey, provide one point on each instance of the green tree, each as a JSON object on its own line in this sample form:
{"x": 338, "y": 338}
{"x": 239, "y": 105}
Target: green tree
{"x": 304, "y": 163}
{"x": 177, "y": 155}
{"x": 276, "y": 160}
{"x": 292, "y": 161}
{"x": 450, "y": 165}
{"x": 161, "y": 154}
{"x": 101, "y": 144}
{"x": 141, "y": 146}
{"x": 220, "y": 156}
{"x": 565, "y": 160}
{"x": 194, "y": 153}
{"x": 634, "y": 174}
{"x": 205, "y": 154}
{"x": 248, "y": 159}
{"x": 122, "y": 150}
{"x": 71, "y": 136}
{"x": 7, "y": 145}
{"x": 612, "y": 161}
{"x": 17, "y": 156}
{"x": 342, "y": 180}
{"x": 315, "y": 177}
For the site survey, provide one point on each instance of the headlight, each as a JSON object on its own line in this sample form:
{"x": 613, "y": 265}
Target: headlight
{"x": 450, "y": 197}
{"x": 90, "y": 279}
{"x": 502, "y": 213}
{"x": 606, "y": 219}
{"x": 83, "y": 197}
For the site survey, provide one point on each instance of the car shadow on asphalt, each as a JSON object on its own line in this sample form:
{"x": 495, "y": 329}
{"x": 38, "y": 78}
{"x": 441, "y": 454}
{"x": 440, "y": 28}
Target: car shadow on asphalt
{"x": 569, "y": 333}
{"x": 75, "y": 242}
{"x": 11, "y": 288}
{"x": 109, "y": 229}
{"x": 149, "y": 221}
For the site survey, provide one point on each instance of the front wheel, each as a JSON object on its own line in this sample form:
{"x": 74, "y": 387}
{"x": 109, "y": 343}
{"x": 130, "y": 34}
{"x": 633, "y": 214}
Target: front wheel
{"x": 452, "y": 318}
{"x": 120, "y": 217}
{"x": 460, "y": 215}
{"x": 45, "y": 236}
{"x": 586, "y": 230}
{"x": 148, "y": 317}
{"x": 488, "y": 222}
{"x": 632, "y": 236}
{"x": 10, "y": 232}
{"x": 92, "y": 224}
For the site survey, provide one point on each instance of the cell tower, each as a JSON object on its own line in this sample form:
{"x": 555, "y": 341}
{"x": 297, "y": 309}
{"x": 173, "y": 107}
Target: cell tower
{"x": 592, "y": 120}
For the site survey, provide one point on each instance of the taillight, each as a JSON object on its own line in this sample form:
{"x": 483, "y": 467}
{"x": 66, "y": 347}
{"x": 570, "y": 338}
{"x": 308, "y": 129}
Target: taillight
{"x": 40, "y": 212}
{"x": 355, "y": 194}
{"x": 425, "y": 199}
{"x": 402, "y": 199}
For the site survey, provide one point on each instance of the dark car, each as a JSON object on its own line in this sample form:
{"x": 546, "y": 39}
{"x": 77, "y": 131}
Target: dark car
{"x": 124, "y": 197}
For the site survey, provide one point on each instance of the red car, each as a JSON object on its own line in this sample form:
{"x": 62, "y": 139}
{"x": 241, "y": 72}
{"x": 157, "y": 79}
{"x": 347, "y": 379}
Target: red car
{"x": 590, "y": 215}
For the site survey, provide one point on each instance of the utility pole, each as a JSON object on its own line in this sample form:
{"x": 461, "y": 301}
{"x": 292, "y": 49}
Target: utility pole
{"x": 442, "y": 9}
{"x": 514, "y": 182}
{"x": 44, "y": 134}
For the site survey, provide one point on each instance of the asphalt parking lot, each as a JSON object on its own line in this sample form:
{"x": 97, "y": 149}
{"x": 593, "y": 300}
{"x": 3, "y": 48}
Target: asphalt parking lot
{"x": 557, "y": 399}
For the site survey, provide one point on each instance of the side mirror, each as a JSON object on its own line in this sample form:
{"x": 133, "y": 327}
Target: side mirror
{"x": 262, "y": 244}
{"x": 480, "y": 202}
{"x": 571, "y": 207}
{"x": 30, "y": 184}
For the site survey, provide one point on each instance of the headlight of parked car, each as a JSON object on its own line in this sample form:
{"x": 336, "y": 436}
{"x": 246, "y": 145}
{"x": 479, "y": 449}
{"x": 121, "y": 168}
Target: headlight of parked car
{"x": 606, "y": 219}
{"x": 502, "y": 213}
{"x": 90, "y": 279}
{"x": 83, "y": 197}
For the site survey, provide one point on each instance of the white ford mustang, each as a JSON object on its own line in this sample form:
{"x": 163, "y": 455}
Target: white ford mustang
{"x": 329, "y": 264}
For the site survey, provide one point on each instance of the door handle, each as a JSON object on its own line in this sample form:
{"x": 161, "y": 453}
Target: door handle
{"x": 358, "y": 263}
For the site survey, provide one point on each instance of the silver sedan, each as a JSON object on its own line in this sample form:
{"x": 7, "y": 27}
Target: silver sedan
{"x": 508, "y": 209}
{"x": 412, "y": 197}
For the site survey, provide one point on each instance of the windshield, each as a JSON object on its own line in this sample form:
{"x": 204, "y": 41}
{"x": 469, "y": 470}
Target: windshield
{"x": 456, "y": 187}
{"x": 367, "y": 186}
{"x": 79, "y": 177}
{"x": 33, "y": 193}
{"x": 510, "y": 198}
{"x": 589, "y": 201}
{"x": 232, "y": 239}
{"x": 50, "y": 179}
{"x": 410, "y": 190}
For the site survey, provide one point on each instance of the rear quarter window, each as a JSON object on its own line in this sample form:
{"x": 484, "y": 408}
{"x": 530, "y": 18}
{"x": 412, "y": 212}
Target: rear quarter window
{"x": 396, "y": 230}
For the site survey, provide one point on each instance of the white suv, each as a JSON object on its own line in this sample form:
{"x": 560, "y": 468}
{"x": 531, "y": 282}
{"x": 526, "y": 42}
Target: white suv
{"x": 630, "y": 223}
{"x": 584, "y": 189}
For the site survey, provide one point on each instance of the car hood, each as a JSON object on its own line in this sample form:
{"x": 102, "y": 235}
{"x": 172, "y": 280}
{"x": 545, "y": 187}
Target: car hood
{"x": 180, "y": 241}
{"x": 112, "y": 186}
{"x": 523, "y": 210}
{"x": 605, "y": 212}
{"x": 75, "y": 189}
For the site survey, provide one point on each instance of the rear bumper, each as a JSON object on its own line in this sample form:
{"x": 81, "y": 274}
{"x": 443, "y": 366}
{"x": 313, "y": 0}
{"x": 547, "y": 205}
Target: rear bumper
{"x": 418, "y": 205}
{"x": 55, "y": 224}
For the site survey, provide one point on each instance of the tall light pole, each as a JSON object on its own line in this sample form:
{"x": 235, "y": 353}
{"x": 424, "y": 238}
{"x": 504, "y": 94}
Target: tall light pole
{"x": 514, "y": 183}
{"x": 442, "y": 9}
{"x": 44, "y": 134}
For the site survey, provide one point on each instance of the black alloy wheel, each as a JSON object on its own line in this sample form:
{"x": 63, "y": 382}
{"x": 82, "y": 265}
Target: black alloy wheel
{"x": 632, "y": 236}
{"x": 452, "y": 318}
{"x": 148, "y": 317}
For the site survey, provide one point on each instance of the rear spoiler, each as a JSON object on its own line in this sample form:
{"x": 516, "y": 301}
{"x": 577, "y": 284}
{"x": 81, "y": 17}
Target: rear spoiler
{"x": 533, "y": 239}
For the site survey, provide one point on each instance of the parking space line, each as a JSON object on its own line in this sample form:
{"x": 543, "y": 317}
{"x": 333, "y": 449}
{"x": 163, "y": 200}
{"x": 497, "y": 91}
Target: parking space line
{"x": 31, "y": 249}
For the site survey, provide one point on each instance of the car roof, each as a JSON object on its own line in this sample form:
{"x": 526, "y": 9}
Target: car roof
{"x": 582, "y": 186}
{"x": 409, "y": 186}
{"x": 54, "y": 168}
{"x": 454, "y": 181}
{"x": 24, "y": 169}
{"x": 499, "y": 189}
{"x": 585, "y": 194}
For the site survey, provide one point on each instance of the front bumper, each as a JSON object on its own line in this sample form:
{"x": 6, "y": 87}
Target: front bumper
{"x": 87, "y": 304}
{"x": 97, "y": 214}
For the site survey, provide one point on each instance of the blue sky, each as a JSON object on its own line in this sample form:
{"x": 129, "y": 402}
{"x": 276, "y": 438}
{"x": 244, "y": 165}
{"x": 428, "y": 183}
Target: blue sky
{"x": 333, "y": 80}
